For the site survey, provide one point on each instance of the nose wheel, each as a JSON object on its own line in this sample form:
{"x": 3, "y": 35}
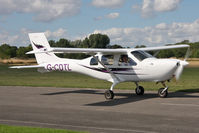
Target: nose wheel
{"x": 163, "y": 92}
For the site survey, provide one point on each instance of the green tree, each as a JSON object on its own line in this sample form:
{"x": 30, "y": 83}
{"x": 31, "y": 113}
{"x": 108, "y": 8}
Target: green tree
{"x": 52, "y": 43}
{"x": 85, "y": 43}
{"x": 184, "y": 42}
{"x": 21, "y": 52}
{"x": 76, "y": 43}
{"x": 13, "y": 51}
{"x": 98, "y": 41}
{"x": 114, "y": 46}
{"x": 140, "y": 46}
{"x": 63, "y": 43}
{"x": 7, "y": 51}
{"x": 165, "y": 54}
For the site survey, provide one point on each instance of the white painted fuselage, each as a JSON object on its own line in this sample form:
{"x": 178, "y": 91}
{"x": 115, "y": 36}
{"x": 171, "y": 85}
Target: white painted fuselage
{"x": 150, "y": 69}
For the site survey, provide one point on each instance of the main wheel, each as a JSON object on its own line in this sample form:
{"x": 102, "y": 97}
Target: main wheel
{"x": 161, "y": 93}
{"x": 109, "y": 94}
{"x": 139, "y": 90}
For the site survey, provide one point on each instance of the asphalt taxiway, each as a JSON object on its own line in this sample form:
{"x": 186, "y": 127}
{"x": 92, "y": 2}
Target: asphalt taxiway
{"x": 87, "y": 110}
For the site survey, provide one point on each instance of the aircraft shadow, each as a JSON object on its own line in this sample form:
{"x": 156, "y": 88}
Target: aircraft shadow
{"x": 125, "y": 98}
{"x": 75, "y": 91}
{"x": 184, "y": 93}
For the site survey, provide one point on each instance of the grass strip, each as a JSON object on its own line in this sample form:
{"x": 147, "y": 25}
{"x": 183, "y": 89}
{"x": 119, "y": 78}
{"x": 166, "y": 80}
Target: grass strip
{"x": 23, "y": 129}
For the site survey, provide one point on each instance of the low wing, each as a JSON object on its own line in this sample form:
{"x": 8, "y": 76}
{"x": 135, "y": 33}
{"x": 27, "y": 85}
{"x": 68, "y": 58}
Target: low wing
{"x": 163, "y": 47}
{"x": 33, "y": 66}
{"x": 104, "y": 51}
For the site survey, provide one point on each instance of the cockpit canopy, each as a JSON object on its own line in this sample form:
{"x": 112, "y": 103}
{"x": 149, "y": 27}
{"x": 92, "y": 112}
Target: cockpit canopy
{"x": 141, "y": 55}
{"x": 121, "y": 60}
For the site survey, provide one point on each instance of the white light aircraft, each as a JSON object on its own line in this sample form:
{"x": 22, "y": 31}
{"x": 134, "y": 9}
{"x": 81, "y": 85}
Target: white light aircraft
{"x": 113, "y": 65}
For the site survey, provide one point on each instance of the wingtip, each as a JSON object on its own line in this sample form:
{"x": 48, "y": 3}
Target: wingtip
{"x": 30, "y": 52}
{"x": 13, "y": 67}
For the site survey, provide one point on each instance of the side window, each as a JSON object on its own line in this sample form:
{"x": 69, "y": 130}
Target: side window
{"x": 126, "y": 61}
{"x": 132, "y": 62}
{"x": 107, "y": 59}
{"x": 94, "y": 61}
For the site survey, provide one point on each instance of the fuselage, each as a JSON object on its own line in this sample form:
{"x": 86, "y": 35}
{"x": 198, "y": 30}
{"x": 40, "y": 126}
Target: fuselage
{"x": 148, "y": 69}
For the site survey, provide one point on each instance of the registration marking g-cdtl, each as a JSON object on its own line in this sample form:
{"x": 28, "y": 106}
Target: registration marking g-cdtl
{"x": 59, "y": 67}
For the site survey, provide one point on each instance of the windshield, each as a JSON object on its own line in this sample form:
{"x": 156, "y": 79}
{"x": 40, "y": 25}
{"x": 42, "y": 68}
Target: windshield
{"x": 141, "y": 55}
{"x": 126, "y": 61}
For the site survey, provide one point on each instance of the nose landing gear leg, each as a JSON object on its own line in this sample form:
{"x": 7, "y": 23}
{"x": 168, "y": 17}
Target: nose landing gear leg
{"x": 163, "y": 92}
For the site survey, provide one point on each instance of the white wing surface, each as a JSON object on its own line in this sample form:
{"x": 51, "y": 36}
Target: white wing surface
{"x": 80, "y": 50}
{"x": 163, "y": 47}
{"x": 88, "y": 50}
{"x": 116, "y": 51}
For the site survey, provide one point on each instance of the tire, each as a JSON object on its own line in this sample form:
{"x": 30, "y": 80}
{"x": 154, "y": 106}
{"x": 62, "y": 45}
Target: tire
{"x": 109, "y": 94}
{"x": 139, "y": 90}
{"x": 162, "y": 95}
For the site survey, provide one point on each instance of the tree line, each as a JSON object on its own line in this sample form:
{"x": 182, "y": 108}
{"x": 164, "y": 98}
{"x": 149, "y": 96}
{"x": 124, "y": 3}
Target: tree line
{"x": 93, "y": 41}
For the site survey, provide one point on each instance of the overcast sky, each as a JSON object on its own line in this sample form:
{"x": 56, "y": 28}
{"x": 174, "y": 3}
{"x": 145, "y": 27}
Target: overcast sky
{"x": 126, "y": 22}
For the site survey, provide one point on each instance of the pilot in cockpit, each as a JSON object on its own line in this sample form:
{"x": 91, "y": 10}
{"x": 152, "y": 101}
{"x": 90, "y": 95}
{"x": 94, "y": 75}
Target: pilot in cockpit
{"x": 124, "y": 60}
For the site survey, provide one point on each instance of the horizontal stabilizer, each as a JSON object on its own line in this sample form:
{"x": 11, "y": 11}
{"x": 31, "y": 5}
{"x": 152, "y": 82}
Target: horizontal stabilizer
{"x": 33, "y": 66}
{"x": 35, "y": 52}
{"x": 40, "y": 52}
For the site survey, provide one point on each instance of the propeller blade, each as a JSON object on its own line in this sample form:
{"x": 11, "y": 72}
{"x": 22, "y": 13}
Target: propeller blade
{"x": 180, "y": 69}
{"x": 178, "y": 72}
{"x": 187, "y": 54}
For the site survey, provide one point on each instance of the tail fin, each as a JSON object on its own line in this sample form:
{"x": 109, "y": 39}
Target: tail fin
{"x": 39, "y": 42}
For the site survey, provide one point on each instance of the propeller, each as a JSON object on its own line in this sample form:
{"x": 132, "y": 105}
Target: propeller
{"x": 180, "y": 68}
{"x": 181, "y": 65}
